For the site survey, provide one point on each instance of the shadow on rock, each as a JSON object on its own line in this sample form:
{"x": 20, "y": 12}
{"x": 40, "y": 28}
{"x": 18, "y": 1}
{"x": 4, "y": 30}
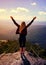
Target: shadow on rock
{"x": 25, "y": 60}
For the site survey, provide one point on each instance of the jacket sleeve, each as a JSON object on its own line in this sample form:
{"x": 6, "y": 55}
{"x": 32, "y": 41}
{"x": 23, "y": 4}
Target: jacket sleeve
{"x": 15, "y": 22}
{"x": 29, "y": 24}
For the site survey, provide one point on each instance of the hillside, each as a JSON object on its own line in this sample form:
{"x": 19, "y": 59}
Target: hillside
{"x": 10, "y": 55}
{"x": 13, "y": 46}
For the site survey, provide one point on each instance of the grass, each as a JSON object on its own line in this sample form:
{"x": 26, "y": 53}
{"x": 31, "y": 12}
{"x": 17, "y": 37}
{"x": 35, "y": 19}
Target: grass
{"x": 13, "y": 46}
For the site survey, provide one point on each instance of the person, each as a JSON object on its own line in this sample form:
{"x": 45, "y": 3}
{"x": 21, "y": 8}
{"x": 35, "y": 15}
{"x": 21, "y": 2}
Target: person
{"x": 22, "y": 31}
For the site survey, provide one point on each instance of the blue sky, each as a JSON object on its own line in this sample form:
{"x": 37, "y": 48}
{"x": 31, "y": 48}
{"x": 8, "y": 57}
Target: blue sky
{"x": 23, "y": 9}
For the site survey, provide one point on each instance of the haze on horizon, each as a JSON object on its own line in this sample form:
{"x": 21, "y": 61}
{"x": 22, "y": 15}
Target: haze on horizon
{"x": 21, "y": 10}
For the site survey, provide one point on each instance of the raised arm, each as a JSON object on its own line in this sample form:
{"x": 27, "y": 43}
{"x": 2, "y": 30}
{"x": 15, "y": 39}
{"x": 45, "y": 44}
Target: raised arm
{"x": 31, "y": 22}
{"x": 14, "y": 21}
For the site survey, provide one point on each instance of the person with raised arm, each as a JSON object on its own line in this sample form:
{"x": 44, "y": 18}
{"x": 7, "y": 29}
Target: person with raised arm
{"x": 22, "y": 31}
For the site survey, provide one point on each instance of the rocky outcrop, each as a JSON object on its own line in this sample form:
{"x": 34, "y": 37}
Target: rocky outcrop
{"x": 18, "y": 59}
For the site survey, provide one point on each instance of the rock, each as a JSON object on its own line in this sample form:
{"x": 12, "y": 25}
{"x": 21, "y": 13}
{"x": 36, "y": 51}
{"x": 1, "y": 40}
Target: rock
{"x": 18, "y": 59}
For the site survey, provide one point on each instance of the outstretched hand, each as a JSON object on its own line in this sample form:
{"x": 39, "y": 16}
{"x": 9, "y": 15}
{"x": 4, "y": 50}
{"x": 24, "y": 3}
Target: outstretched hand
{"x": 11, "y": 17}
{"x": 34, "y": 18}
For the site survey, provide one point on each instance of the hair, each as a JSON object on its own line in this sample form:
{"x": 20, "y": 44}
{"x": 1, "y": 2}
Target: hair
{"x": 22, "y": 26}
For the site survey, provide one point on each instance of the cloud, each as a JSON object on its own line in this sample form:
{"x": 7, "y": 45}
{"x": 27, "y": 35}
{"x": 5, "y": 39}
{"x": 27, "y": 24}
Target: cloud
{"x": 19, "y": 9}
{"x": 2, "y": 10}
{"x": 5, "y": 13}
{"x": 42, "y": 13}
{"x": 34, "y": 4}
{"x": 22, "y": 9}
{"x": 14, "y": 11}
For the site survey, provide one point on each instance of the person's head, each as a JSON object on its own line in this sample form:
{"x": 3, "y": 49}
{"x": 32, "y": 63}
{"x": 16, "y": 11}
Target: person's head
{"x": 22, "y": 26}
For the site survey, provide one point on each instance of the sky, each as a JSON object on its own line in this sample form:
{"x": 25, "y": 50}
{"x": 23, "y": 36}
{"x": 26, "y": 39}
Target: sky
{"x": 21, "y": 10}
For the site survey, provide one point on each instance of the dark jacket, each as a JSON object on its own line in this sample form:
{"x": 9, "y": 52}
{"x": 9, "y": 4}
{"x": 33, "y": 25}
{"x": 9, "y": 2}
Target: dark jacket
{"x": 24, "y": 31}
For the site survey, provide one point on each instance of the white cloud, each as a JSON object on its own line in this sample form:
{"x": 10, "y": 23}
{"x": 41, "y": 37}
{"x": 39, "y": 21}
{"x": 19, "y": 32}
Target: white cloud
{"x": 19, "y": 9}
{"x": 42, "y": 13}
{"x": 14, "y": 11}
{"x": 34, "y": 4}
{"x": 22, "y": 9}
{"x": 2, "y": 10}
{"x": 5, "y": 14}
